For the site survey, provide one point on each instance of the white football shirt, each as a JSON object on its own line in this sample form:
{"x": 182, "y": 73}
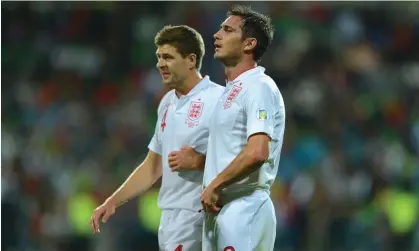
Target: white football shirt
{"x": 252, "y": 103}
{"x": 183, "y": 121}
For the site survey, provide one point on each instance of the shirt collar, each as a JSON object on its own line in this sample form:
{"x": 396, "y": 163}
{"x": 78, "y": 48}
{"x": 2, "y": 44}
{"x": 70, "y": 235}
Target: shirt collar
{"x": 250, "y": 72}
{"x": 198, "y": 87}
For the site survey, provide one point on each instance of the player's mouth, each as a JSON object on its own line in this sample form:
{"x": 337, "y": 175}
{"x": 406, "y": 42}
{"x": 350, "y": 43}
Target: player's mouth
{"x": 165, "y": 74}
{"x": 217, "y": 47}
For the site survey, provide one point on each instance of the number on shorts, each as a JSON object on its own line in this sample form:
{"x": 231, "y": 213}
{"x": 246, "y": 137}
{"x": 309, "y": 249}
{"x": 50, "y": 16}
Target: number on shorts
{"x": 179, "y": 248}
{"x": 229, "y": 248}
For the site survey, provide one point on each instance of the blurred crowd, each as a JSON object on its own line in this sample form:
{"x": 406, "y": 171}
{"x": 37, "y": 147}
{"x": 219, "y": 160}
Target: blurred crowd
{"x": 80, "y": 92}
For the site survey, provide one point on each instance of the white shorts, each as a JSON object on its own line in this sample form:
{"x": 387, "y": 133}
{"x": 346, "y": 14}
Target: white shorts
{"x": 244, "y": 224}
{"x": 180, "y": 230}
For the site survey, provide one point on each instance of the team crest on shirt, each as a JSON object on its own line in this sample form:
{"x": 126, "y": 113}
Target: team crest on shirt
{"x": 194, "y": 113}
{"x": 262, "y": 114}
{"x": 235, "y": 90}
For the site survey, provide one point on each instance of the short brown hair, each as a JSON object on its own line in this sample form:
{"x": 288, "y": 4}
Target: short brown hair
{"x": 185, "y": 39}
{"x": 255, "y": 25}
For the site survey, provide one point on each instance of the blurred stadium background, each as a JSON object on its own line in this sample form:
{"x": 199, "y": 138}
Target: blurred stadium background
{"x": 79, "y": 97}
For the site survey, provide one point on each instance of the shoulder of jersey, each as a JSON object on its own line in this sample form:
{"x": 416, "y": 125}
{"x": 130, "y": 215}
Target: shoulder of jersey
{"x": 168, "y": 95}
{"x": 268, "y": 84}
{"x": 215, "y": 88}
{"x": 166, "y": 98}
{"x": 263, "y": 81}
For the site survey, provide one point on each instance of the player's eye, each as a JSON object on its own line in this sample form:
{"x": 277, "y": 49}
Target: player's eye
{"x": 167, "y": 57}
{"x": 227, "y": 29}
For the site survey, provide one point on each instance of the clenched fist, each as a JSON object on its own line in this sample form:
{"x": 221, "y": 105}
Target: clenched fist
{"x": 186, "y": 159}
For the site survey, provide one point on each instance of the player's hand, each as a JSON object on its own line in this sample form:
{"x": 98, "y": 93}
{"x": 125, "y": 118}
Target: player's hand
{"x": 104, "y": 211}
{"x": 185, "y": 158}
{"x": 210, "y": 200}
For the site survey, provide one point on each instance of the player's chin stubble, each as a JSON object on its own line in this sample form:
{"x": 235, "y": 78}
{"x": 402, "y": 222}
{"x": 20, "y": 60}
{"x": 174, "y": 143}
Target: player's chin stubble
{"x": 218, "y": 57}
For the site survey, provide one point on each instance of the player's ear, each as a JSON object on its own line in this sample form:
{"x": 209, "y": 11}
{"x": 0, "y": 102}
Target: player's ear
{"x": 191, "y": 61}
{"x": 250, "y": 44}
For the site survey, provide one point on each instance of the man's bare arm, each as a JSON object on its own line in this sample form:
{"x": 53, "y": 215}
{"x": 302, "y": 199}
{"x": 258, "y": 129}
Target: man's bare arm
{"x": 249, "y": 160}
{"x": 141, "y": 179}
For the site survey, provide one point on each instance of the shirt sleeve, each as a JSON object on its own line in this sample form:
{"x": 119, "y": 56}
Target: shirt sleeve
{"x": 260, "y": 110}
{"x": 155, "y": 142}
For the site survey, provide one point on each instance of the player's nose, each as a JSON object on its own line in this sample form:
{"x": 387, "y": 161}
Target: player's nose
{"x": 160, "y": 64}
{"x": 217, "y": 36}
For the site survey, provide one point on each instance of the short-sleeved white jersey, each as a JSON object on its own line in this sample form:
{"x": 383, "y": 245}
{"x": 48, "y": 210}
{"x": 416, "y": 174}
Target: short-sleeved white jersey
{"x": 183, "y": 121}
{"x": 250, "y": 104}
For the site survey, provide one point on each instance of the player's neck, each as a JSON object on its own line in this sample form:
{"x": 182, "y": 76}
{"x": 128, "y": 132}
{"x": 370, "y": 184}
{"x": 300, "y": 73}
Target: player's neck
{"x": 186, "y": 86}
{"x": 232, "y": 72}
